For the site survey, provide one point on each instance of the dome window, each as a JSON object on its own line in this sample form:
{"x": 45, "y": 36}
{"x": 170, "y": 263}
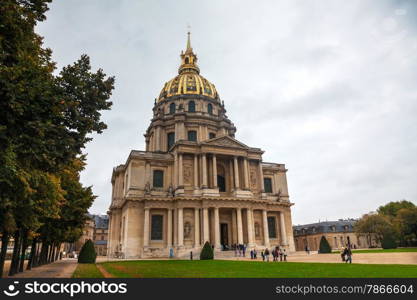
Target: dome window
{"x": 191, "y": 106}
{"x": 210, "y": 109}
{"x": 192, "y": 136}
{"x": 172, "y": 108}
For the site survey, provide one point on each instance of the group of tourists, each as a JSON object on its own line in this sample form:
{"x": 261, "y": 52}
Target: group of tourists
{"x": 240, "y": 249}
{"x": 278, "y": 254}
{"x": 346, "y": 255}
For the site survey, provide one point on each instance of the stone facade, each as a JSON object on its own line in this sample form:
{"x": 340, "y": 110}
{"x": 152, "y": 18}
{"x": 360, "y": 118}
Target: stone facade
{"x": 339, "y": 234}
{"x": 195, "y": 182}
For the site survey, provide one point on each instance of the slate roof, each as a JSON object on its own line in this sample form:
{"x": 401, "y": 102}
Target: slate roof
{"x": 325, "y": 227}
{"x": 100, "y": 242}
{"x": 101, "y": 221}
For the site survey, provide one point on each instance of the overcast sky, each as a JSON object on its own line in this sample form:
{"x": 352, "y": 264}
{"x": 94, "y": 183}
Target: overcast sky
{"x": 326, "y": 87}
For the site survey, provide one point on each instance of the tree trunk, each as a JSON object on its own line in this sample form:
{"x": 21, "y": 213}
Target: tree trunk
{"x": 24, "y": 247}
{"x": 42, "y": 254}
{"x": 52, "y": 256}
{"x": 4, "y": 243}
{"x": 15, "y": 256}
{"x": 32, "y": 254}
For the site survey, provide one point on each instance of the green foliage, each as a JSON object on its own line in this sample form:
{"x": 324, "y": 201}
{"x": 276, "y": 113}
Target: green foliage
{"x": 391, "y": 209}
{"x": 324, "y": 246}
{"x": 375, "y": 224}
{"x": 45, "y": 121}
{"x": 206, "y": 252}
{"x": 87, "y": 254}
{"x": 388, "y": 242}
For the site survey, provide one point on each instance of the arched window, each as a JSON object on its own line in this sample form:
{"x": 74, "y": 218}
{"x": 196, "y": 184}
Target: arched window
{"x": 210, "y": 109}
{"x": 171, "y": 140}
{"x": 192, "y": 135}
{"x": 187, "y": 60}
{"x": 191, "y": 106}
{"x": 172, "y": 108}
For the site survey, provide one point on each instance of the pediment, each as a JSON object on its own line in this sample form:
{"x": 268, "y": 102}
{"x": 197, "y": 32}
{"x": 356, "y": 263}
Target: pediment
{"x": 226, "y": 141}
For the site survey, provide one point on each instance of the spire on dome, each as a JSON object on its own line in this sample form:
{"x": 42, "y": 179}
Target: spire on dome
{"x": 188, "y": 59}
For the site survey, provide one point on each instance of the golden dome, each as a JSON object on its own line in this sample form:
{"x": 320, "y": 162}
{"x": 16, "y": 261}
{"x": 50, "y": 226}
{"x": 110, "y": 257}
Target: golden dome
{"x": 189, "y": 81}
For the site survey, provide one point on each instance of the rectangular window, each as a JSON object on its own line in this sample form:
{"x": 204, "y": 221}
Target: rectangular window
{"x": 272, "y": 228}
{"x": 212, "y": 135}
{"x": 171, "y": 140}
{"x": 192, "y": 136}
{"x": 158, "y": 178}
{"x": 268, "y": 185}
{"x": 156, "y": 228}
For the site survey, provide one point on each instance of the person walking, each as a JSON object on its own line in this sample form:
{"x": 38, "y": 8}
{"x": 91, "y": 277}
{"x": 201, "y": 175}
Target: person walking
{"x": 254, "y": 253}
{"x": 267, "y": 254}
{"x": 244, "y": 250}
{"x": 343, "y": 254}
{"x": 251, "y": 254}
{"x": 348, "y": 255}
{"x": 263, "y": 255}
{"x": 285, "y": 255}
{"x": 274, "y": 255}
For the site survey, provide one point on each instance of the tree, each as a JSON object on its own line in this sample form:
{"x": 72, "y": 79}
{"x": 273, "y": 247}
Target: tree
{"x": 45, "y": 122}
{"x": 87, "y": 253}
{"x": 406, "y": 224}
{"x": 324, "y": 245}
{"x": 207, "y": 252}
{"x": 391, "y": 209}
{"x": 375, "y": 225}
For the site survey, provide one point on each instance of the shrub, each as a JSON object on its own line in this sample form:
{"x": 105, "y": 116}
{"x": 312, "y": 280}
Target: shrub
{"x": 206, "y": 252}
{"x": 87, "y": 254}
{"x": 324, "y": 246}
{"x": 388, "y": 242}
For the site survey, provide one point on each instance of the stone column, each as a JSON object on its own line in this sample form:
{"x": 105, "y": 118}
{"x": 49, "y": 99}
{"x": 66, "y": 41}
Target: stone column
{"x": 196, "y": 227}
{"x": 204, "y": 159}
{"x": 180, "y": 227}
{"x": 147, "y": 173}
{"x": 261, "y": 175}
{"x": 245, "y": 173}
{"x": 206, "y": 234}
{"x": 231, "y": 174}
{"x": 195, "y": 171}
{"x": 169, "y": 228}
{"x": 239, "y": 226}
{"x": 175, "y": 233}
{"x": 216, "y": 228}
{"x": 283, "y": 229}
{"x": 175, "y": 179}
{"x": 266, "y": 232}
{"x": 236, "y": 171}
{"x": 214, "y": 171}
{"x": 146, "y": 228}
{"x": 249, "y": 221}
{"x": 180, "y": 171}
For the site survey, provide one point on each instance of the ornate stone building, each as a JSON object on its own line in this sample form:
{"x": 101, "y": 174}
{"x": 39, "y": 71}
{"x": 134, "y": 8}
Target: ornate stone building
{"x": 339, "y": 234}
{"x": 195, "y": 182}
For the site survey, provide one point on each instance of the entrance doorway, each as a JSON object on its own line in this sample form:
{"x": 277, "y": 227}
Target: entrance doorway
{"x": 224, "y": 236}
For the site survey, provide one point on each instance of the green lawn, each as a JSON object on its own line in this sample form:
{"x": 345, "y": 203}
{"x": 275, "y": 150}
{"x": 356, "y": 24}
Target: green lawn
{"x": 381, "y": 250}
{"x": 87, "y": 271}
{"x": 244, "y": 269}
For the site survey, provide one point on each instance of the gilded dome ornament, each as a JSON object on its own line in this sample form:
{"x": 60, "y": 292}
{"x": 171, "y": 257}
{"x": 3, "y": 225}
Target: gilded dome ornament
{"x": 188, "y": 81}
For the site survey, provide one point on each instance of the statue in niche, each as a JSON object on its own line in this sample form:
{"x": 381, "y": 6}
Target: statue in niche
{"x": 257, "y": 230}
{"x": 147, "y": 188}
{"x": 170, "y": 190}
{"x": 187, "y": 230}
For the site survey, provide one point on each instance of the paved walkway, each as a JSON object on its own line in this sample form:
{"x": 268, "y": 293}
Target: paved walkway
{"x": 360, "y": 258}
{"x": 60, "y": 269}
